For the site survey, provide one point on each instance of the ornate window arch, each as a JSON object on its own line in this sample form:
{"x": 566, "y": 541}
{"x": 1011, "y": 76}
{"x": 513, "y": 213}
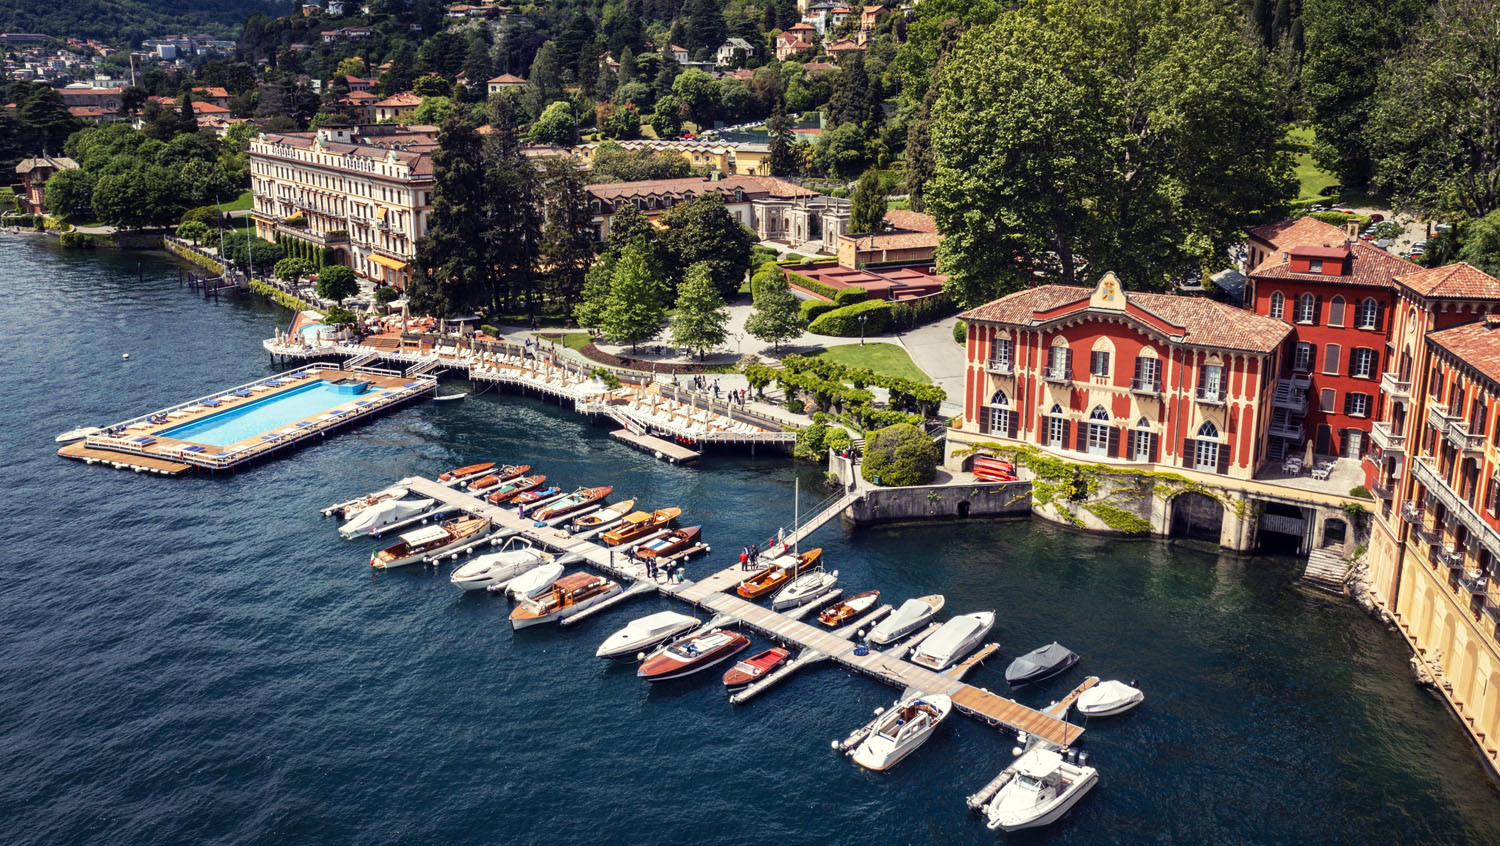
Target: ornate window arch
{"x": 999, "y": 416}
{"x": 1278, "y": 304}
{"x": 1307, "y": 308}
{"x": 1368, "y": 315}
{"x": 1205, "y": 454}
{"x": 1336, "y": 311}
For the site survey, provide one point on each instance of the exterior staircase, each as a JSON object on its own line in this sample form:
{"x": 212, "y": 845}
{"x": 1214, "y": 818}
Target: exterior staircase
{"x": 1326, "y": 570}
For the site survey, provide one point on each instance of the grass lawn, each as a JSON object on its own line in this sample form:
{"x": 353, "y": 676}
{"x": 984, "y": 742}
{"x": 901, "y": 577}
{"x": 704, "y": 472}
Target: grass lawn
{"x": 881, "y": 358}
{"x": 576, "y": 340}
{"x": 1312, "y": 180}
{"x": 240, "y": 203}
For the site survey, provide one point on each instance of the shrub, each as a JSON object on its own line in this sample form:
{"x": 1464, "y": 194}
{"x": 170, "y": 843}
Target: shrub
{"x": 1359, "y": 492}
{"x": 837, "y": 439}
{"x": 340, "y": 316}
{"x": 827, "y": 292}
{"x": 795, "y": 406}
{"x": 487, "y": 329}
{"x": 194, "y": 230}
{"x": 386, "y": 294}
{"x": 844, "y": 322}
{"x": 289, "y": 269}
{"x": 760, "y": 255}
{"x": 336, "y": 282}
{"x": 813, "y": 309}
{"x": 1340, "y": 219}
{"x": 76, "y": 240}
{"x": 900, "y": 455}
{"x": 961, "y": 332}
{"x": 207, "y": 215}
{"x": 850, "y": 296}
{"x": 809, "y": 445}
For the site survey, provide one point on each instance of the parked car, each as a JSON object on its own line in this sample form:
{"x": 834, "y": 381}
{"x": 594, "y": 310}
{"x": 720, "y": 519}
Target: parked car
{"x": 1318, "y": 208}
{"x": 1377, "y": 217}
{"x": 1441, "y": 227}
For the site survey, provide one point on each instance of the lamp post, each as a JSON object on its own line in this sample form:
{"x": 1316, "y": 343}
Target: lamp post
{"x": 861, "y": 319}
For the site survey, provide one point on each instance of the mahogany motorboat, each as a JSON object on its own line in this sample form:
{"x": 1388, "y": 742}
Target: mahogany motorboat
{"x": 504, "y": 474}
{"x": 509, "y": 489}
{"x": 778, "y": 571}
{"x": 752, "y": 668}
{"x": 466, "y": 471}
{"x": 581, "y": 498}
{"x": 839, "y": 613}
{"x": 692, "y": 654}
{"x": 670, "y": 543}
{"x": 639, "y": 524}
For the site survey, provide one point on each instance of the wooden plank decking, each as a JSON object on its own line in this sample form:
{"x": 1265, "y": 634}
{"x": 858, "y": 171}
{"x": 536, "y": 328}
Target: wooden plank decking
{"x": 83, "y": 452}
{"x": 676, "y": 453}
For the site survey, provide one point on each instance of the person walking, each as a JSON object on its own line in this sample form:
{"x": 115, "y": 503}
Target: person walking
{"x": 745, "y": 558}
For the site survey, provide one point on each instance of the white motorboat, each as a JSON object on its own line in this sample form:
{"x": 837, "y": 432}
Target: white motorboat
{"x": 449, "y": 398}
{"x": 535, "y": 582}
{"x": 388, "y": 513}
{"x": 347, "y": 510}
{"x": 899, "y": 731}
{"x": 569, "y": 595}
{"x": 516, "y": 557}
{"x": 1107, "y": 698}
{"x": 912, "y": 615}
{"x": 954, "y": 640}
{"x": 804, "y": 589}
{"x": 1043, "y": 789}
{"x": 78, "y": 434}
{"x": 645, "y": 633}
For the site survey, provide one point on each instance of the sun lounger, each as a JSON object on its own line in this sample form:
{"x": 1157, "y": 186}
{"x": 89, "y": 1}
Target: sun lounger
{"x": 304, "y": 424}
{"x": 270, "y": 437}
{"x": 273, "y": 383}
{"x": 297, "y": 375}
{"x": 259, "y": 388}
{"x": 143, "y": 440}
{"x": 242, "y": 393}
{"x": 210, "y": 403}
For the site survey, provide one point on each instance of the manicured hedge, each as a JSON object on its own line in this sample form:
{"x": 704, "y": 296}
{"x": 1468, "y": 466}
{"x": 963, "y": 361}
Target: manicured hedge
{"x": 850, "y": 296}
{"x": 1340, "y": 219}
{"x": 813, "y": 309}
{"x": 961, "y": 332}
{"x": 828, "y": 292}
{"x": 844, "y": 322}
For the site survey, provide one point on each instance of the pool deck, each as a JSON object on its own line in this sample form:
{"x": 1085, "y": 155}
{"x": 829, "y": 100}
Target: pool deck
{"x": 137, "y": 444}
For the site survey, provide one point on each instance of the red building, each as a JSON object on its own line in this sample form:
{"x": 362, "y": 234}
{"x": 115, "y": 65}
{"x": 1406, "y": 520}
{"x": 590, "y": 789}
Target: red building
{"x": 34, "y": 173}
{"x": 1132, "y": 377}
{"x": 1337, "y": 296}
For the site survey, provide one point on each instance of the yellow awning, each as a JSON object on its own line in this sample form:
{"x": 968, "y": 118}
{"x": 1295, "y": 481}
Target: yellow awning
{"x": 380, "y": 213}
{"x": 387, "y": 262}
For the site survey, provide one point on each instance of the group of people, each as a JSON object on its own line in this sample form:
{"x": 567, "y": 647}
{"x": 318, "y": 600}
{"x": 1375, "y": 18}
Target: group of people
{"x": 750, "y": 555}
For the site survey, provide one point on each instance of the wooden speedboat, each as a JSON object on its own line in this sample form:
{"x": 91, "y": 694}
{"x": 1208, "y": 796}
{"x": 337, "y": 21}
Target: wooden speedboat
{"x": 601, "y": 518}
{"x": 1108, "y": 698}
{"x": 954, "y": 640}
{"x": 467, "y": 471}
{"x": 896, "y": 733}
{"x": 639, "y": 524}
{"x": 692, "y": 654}
{"x": 580, "y": 498}
{"x": 912, "y": 615}
{"x": 347, "y": 510}
{"x": 1043, "y": 789}
{"x": 535, "y": 494}
{"x": 752, "y": 668}
{"x": 567, "y": 596}
{"x": 509, "y": 489}
{"x": 781, "y": 570}
{"x": 429, "y": 540}
{"x": 504, "y": 474}
{"x": 670, "y": 543}
{"x": 518, "y": 556}
{"x": 842, "y": 612}
{"x": 645, "y": 633}
{"x": 804, "y": 589}
{"x": 376, "y": 517}
{"x": 1041, "y": 663}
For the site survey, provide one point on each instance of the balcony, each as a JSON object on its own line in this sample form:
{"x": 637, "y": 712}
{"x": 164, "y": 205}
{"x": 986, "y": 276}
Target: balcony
{"x": 1475, "y": 583}
{"x": 1291, "y": 395}
{"x": 302, "y": 233}
{"x": 388, "y": 252}
{"x": 1430, "y": 534}
{"x": 1212, "y": 395}
{"x": 1000, "y": 366}
{"x": 1454, "y": 558}
{"x": 1458, "y": 435}
{"x": 1146, "y": 387}
{"x": 1389, "y": 442}
{"x": 1393, "y": 386}
{"x": 1438, "y": 417}
{"x": 1285, "y": 428}
{"x": 1492, "y": 610}
{"x": 1057, "y": 374}
{"x": 1383, "y": 488}
{"x": 1411, "y": 513}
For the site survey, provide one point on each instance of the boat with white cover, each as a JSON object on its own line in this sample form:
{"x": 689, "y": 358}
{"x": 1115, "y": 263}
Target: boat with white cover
{"x": 645, "y": 633}
{"x": 1044, "y": 787}
{"x": 518, "y": 556}
{"x": 347, "y": 510}
{"x": 388, "y": 513}
{"x": 899, "y": 731}
{"x": 534, "y": 582}
{"x": 912, "y": 615}
{"x": 78, "y": 434}
{"x": 954, "y": 640}
{"x": 804, "y": 589}
{"x": 1108, "y": 698}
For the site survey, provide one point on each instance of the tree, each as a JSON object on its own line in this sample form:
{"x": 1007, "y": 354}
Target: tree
{"x": 622, "y": 122}
{"x": 841, "y": 151}
{"x": 666, "y": 118}
{"x": 45, "y": 120}
{"x": 698, "y": 95}
{"x": 435, "y": 111}
{"x": 635, "y": 307}
{"x": 352, "y": 66}
{"x": 556, "y": 125}
{"x": 449, "y": 271}
{"x": 288, "y": 269}
{"x": 613, "y": 163}
{"x": 703, "y": 230}
{"x": 705, "y": 25}
{"x": 775, "y": 317}
{"x": 702, "y": 318}
{"x": 432, "y": 85}
{"x": 899, "y": 456}
{"x": 920, "y": 164}
{"x": 1435, "y": 118}
{"x": 195, "y": 231}
{"x": 336, "y": 282}
{"x": 118, "y": 200}
{"x": 512, "y": 214}
{"x": 868, "y": 205}
{"x": 567, "y": 240}
{"x": 1480, "y": 244}
{"x": 595, "y": 297}
{"x": 545, "y": 75}
{"x": 70, "y": 194}
{"x": 403, "y": 69}
{"x": 779, "y": 129}
{"x": 1068, "y": 131}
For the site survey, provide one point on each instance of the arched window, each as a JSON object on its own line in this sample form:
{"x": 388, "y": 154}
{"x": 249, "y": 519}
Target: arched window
{"x": 1278, "y": 304}
{"x": 1205, "y": 455}
{"x": 1369, "y": 313}
{"x": 1143, "y": 442}
{"x": 1057, "y": 427}
{"x": 1100, "y": 432}
{"x": 1336, "y": 311}
{"x": 1001, "y": 419}
{"x": 1147, "y": 379}
{"x": 1307, "y": 309}
{"x": 1059, "y": 361}
{"x": 1099, "y": 358}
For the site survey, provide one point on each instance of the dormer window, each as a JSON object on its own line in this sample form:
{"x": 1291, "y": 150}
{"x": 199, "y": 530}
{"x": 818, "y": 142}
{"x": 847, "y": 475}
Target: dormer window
{"x": 1315, "y": 266}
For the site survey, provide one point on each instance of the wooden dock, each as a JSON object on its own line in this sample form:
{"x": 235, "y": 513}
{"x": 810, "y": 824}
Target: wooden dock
{"x": 673, "y": 452}
{"x": 123, "y": 460}
{"x": 710, "y": 594}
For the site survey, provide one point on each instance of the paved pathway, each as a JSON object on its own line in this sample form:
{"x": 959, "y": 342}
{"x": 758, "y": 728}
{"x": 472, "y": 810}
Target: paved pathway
{"x": 932, "y": 349}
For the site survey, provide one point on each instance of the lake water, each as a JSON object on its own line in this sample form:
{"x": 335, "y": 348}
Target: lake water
{"x": 203, "y": 659}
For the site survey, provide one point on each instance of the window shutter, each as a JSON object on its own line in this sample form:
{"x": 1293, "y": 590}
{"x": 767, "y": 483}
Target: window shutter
{"x": 1317, "y": 308}
{"x": 1155, "y": 448}
{"x": 1081, "y": 442}
{"x": 1067, "y": 426}
{"x": 1104, "y": 364}
{"x": 1223, "y": 459}
{"x": 1331, "y": 359}
{"x": 1138, "y": 363}
{"x": 1189, "y": 452}
{"x": 1068, "y": 363}
{"x": 1114, "y": 442}
{"x": 1012, "y": 418}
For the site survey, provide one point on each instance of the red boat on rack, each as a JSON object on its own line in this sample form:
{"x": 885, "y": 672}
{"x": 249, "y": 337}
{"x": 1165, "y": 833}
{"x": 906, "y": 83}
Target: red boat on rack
{"x": 752, "y": 668}
{"x": 466, "y": 471}
{"x": 692, "y": 654}
{"x": 842, "y": 612}
{"x": 671, "y": 543}
{"x": 581, "y": 498}
{"x": 504, "y": 493}
{"x": 504, "y": 474}
{"x": 535, "y": 494}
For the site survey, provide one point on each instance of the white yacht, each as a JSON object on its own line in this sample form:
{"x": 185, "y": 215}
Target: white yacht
{"x": 944, "y": 647}
{"x": 804, "y": 589}
{"x": 388, "y": 513}
{"x": 645, "y": 633}
{"x": 899, "y": 731}
{"x": 1042, "y": 790}
{"x": 1107, "y": 698}
{"x": 535, "y": 582}
{"x": 912, "y": 615}
{"x": 516, "y": 557}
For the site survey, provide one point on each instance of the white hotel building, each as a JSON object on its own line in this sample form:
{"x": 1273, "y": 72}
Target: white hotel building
{"x": 364, "y": 192}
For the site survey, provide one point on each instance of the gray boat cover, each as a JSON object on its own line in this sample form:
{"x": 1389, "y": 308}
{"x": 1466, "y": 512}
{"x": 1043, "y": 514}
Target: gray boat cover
{"x": 1039, "y": 662}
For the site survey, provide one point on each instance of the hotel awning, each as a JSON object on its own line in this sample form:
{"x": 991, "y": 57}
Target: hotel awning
{"x": 387, "y": 262}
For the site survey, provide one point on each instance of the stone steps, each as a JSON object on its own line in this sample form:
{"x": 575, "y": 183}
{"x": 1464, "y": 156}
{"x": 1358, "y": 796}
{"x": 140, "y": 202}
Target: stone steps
{"x": 1326, "y": 570}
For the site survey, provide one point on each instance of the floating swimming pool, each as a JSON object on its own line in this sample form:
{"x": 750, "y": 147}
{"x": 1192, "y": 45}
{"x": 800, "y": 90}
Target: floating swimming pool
{"x": 261, "y": 416}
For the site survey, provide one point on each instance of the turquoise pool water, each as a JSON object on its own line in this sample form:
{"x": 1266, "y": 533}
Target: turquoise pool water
{"x": 261, "y": 416}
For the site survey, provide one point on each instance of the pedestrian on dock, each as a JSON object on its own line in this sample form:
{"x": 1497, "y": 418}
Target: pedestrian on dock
{"x": 745, "y": 558}
{"x": 754, "y": 554}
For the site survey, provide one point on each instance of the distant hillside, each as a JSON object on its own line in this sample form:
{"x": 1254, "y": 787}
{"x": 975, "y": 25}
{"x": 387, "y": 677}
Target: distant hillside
{"x": 122, "y": 21}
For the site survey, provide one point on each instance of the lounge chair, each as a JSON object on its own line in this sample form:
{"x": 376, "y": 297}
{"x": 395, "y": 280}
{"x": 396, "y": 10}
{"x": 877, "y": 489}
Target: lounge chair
{"x": 242, "y": 393}
{"x": 273, "y": 383}
{"x": 210, "y": 403}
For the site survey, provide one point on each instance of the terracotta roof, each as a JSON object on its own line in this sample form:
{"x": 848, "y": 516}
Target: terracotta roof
{"x": 690, "y": 186}
{"x": 820, "y": 66}
{"x": 1458, "y": 281}
{"x": 1205, "y": 322}
{"x": 209, "y": 109}
{"x": 1476, "y": 344}
{"x": 1286, "y": 234}
{"x": 211, "y": 91}
{"x": 910, "y": 220}
{"x": 843, "y": 45}
{"x": 54, "y": 162}
{"x": 1338, "y": 251}
{"x": 780, "y": 187}
{"x": 1370, "y": 267}
{"x": 360, "y": 95}
{"x": 405, "y": 98}
{"x": 508, "y": 79}
{"x": 90, "y": 111}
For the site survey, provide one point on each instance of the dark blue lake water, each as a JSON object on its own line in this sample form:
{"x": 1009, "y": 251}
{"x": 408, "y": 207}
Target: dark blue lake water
{"x": 204, "y": 660}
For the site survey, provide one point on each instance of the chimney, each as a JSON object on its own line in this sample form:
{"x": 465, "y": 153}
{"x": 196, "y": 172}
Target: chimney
{"x": 1492, "y": 321}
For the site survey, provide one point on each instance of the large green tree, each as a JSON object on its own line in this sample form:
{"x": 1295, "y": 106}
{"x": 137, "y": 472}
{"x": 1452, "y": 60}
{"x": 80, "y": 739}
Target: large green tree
{"x": 336, "y": 282}
{"x": 70, "y": 194}
{"x": 782, "y": 159}
{"x": 775, "y": 317}
{"x": 867, "y": 205}
{"x": 702, "y": 319}
{"x": 1069, "y": 131}
{"x": 512, "y": 215}
{"x": 1435, "y": 125}
{"x": 567, "y": 240}
{"x": 636, "y": 304}
{"x": 703, "y": 230}
{"x": 449, "y": 274}
{"x": 557, "y": 125}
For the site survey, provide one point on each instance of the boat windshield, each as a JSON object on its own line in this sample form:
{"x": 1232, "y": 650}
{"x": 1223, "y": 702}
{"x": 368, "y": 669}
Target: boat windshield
{"x": 1027, "y": 782}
